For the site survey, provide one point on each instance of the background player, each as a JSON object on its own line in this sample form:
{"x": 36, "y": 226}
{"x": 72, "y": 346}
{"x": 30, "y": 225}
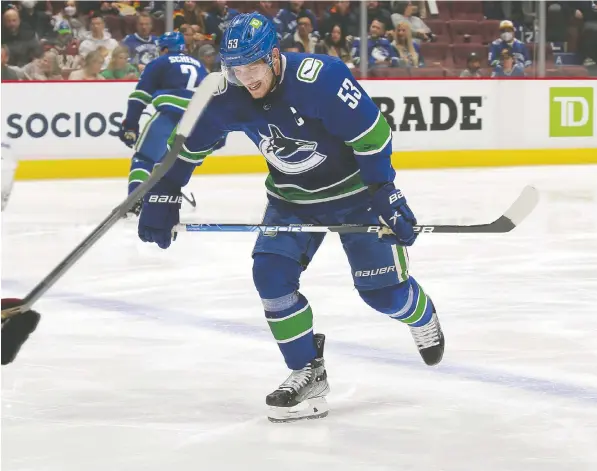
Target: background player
{"x": 328, "y": 150}
{"x": 168, "y": 83}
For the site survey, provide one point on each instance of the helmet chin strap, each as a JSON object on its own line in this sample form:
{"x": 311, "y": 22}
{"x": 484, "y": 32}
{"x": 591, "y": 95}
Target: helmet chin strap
{"x": 276, "y": 80}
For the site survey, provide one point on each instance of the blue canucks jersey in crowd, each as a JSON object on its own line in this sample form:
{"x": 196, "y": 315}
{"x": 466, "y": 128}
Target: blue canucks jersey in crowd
{"x": 323, "y": 138}
{"x": 516, "y": 71}
{"x": 286, "y": 21}
{"x": 380, "y": 49}
{"x": 168, "y": 83}
{"x": 141, "y": 50}
{"x": 518, "y": 49}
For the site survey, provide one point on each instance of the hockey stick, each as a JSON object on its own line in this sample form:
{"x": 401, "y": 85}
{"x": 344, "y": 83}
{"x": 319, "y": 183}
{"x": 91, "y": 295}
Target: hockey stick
{"x": 516, "y": 213}
{"x": 200, "y": 99}
{"x": 192, "y": 201}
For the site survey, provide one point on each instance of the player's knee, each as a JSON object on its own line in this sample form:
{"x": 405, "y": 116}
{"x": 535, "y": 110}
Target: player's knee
{"x": 390, "y": 299}
{"x": 275, "y": 276}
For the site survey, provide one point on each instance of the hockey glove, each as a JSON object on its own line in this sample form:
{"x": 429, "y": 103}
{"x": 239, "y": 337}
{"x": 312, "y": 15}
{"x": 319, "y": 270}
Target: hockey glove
{"x": 16, "y": 330}
{"x": 128, "y": 133}
{"x": 160, "y": 213}
{"x": 390, "y": 205}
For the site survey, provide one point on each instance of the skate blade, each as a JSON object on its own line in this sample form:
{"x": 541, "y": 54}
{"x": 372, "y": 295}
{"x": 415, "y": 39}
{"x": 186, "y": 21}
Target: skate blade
{"x": 310, "y": 409}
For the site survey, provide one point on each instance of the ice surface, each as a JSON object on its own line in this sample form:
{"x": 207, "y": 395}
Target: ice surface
{"x": 161, "y": 360}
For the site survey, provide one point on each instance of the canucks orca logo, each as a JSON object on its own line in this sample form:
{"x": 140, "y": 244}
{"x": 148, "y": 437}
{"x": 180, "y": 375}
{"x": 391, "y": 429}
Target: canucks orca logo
{"x": 288, "y": 155}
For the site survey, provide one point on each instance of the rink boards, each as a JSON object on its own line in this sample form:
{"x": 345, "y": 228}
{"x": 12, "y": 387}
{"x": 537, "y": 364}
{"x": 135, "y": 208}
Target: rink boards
{"x": 69, "y": 129}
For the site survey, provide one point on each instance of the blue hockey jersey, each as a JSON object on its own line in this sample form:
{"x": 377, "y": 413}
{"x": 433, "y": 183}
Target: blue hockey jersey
{"x": 517, "y": 71}
{"x": 216, "y": 23}
{"x": 322, "y": 136}
{"x": 518, "y": 49}
{"x": 168, "y": 83}
{"x": 380, "y": 49}
{"x": 286, "y": 21}
{"x": 141, "y": 51}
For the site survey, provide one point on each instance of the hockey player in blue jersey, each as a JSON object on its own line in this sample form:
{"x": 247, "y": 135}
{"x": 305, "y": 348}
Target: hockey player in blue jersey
{"x": 168, "y": 83}
{"x": 328, "y": 151}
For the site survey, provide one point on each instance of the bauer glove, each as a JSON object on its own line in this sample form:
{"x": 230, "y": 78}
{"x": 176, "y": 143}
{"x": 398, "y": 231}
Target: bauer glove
{"x": 128, "y": 133}
{"x": 390, "y": 205}
{"x": 160, "y": 213}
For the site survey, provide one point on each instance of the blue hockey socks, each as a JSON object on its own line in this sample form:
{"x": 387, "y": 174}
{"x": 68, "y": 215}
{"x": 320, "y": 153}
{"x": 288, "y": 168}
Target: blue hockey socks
{"x": 406, "y": 302}
{"x": 141, "y": 168}
{"x": 287, "y": 311}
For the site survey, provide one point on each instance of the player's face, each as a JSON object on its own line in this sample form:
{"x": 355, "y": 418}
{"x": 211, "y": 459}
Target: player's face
{"x": 257, "y": 78}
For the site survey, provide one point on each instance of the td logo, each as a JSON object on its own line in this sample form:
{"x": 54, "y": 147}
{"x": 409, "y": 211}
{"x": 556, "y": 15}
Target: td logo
{"x": 571, "y": 112}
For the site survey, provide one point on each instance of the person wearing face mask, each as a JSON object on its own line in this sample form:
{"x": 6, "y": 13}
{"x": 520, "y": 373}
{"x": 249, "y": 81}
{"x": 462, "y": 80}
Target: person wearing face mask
{"x": 507, "y": 40}
{"x": 68, "y": 16}
{"x": 35, "y": 19}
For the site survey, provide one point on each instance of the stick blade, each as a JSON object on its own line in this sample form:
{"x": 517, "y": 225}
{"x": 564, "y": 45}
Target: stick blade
{"x": 523, "y": 206}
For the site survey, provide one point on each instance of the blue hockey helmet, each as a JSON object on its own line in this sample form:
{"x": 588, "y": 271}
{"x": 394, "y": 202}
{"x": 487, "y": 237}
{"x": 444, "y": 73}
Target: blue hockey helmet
{"x": 250, "y": 37}
{"x": 173, "y": 41}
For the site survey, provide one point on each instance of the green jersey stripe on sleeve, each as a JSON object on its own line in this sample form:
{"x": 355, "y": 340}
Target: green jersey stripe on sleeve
{"x": 171, "y": 100}
{"x": 141, "y": 96}
{"x": 373, "y": 139}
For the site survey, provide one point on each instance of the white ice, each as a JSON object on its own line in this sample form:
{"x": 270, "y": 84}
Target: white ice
{"x": 161, "y": 360}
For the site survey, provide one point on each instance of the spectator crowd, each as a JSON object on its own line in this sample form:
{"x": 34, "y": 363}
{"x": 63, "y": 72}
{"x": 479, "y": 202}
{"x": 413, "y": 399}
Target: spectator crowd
{"x": 115, "y": 40}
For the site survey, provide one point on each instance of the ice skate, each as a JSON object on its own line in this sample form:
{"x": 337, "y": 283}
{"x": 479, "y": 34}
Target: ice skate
{"x": 302, "y": 395}
{"x": 429, "y": 339}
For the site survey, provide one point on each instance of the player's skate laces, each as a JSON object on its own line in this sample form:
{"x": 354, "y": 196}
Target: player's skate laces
{"x": 302, "y": 395}
{"x": 429, "y": 339}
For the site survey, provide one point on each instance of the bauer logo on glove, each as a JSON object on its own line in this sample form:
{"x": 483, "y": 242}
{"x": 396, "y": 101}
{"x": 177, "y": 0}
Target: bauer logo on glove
{"x": 165, "y": 199}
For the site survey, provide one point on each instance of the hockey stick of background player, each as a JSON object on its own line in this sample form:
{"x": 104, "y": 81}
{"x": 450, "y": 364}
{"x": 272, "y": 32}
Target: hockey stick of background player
{"x": 192, "y": 201}
{"x": 15, "y": 331}
{"x": 520, "y": 209}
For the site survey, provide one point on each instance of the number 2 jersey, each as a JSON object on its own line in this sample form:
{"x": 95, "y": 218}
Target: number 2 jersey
{"x": 167, "y": 83}
{"x": 322, "y": 136}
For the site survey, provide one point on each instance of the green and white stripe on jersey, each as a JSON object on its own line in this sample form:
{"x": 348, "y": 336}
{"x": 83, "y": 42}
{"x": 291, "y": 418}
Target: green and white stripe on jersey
{"x": 374, "y": 139}
{"x": 296, "y": 194}
{"x": 185, "y": 154}
{"x": 138, "y": 175}
{"x": 171, "y": 100}
{"x": 141, "y": 96}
